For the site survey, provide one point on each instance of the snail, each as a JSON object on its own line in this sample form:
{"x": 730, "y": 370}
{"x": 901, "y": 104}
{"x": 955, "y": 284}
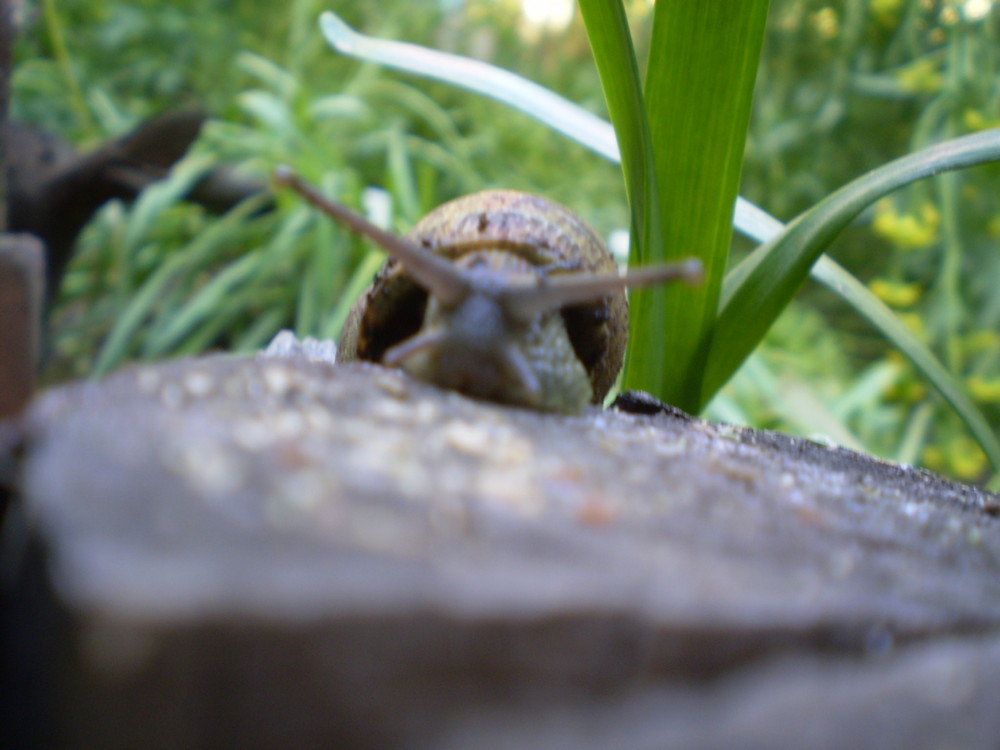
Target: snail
{"x": 501, "y": 295}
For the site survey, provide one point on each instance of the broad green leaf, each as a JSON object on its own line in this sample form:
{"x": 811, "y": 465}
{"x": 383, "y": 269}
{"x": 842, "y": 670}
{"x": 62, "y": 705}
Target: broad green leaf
{"x": 698, "y": 115}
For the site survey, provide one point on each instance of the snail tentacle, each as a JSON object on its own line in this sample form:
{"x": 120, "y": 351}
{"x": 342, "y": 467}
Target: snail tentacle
{"x": 449, "y": 284}
{"x": 554, "y": 292}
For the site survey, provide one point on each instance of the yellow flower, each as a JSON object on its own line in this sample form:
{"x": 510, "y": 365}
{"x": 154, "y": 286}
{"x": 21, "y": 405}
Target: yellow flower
{"x": 966, "y": 458}
{"x": 993, "y": 226}
{"x": 974, "y": 120}
{"x": 894, "y": 293}
{"x": 826, "y": 22}
{"x": 980, "y": 341}
{"x": 984, "y": 389}
{"x": 916, "y": 324}
{"x": 886, "y": 11}
{"x": 906, "y": 231}
{"x": 933, "y": 458}
{"x": 921, "y": 76}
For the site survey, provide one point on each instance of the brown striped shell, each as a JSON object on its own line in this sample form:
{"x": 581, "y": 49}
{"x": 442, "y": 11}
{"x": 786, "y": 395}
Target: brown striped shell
{"x": 494, "y": 227}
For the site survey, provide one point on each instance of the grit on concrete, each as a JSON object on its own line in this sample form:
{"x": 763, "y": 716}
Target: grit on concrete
{"x": 281, "y": 552}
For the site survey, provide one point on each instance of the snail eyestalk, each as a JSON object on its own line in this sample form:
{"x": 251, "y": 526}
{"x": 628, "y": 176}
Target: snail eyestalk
{"x": 555, "y": 292}
{"x": 435, "y": 274}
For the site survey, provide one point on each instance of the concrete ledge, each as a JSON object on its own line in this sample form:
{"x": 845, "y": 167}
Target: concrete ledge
{"x": 260, "y": 553}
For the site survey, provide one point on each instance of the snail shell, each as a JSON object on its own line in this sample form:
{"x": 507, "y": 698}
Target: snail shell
{"x": 575, "y": 352}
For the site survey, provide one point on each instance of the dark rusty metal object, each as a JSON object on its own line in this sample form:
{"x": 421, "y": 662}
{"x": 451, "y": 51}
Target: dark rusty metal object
{"x": 21, "y": 296}
{"x": 54, "y": 191}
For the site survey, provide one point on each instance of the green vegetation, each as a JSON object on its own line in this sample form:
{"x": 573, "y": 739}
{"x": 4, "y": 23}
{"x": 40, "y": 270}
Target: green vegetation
{"x": 681, "y": 133}
{"x": 843, "y": 87}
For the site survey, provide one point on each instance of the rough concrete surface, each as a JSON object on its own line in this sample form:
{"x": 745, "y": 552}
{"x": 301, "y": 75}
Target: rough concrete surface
{"x": 232, "y": 552}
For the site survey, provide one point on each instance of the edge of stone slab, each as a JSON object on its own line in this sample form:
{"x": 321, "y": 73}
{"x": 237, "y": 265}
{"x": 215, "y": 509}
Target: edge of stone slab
{"x": 636, "y": 406}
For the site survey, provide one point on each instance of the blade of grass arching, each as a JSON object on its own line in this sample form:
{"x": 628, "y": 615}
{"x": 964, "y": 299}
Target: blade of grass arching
{"x": 159, "y": 196}
{"x": 116, "y": 345}
{"x": 119, "y": 339}
{"x": 359, "y": 281}
{"x": 400, "y": 168}
{"x": 187, "y": 305}
{"x": 210, "y": 329}
{"x": 760, "y": 287}
{"x": 210, "y": 301}
{"x": 611, "y": 44}
{"x": 471, "y": 74}
{"x": 148, "y": 207}
{"x": 842, "y": 283}
{"x": 892, "y": 327}
{"x": 699, "y": 87}
{"x": 171, "y": 314}
{"x": 319, "y": 272}
{"x": 915, "y": 435}
{"x": 516, "y": 92}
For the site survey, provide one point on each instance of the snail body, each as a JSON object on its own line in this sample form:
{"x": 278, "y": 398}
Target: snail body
{"x": 501, "y": 295}
{"x": 501, "y": 236}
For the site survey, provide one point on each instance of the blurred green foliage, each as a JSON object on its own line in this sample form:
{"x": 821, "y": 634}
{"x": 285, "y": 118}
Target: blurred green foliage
{"x": 844, "y": 86}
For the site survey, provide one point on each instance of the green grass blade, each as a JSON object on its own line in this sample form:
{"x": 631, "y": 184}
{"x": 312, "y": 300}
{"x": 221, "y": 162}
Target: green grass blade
{"x": 474, "y": 75}
{"x": 116, "y": 345}
{"x": 879, "y": 315}
{"x": 206, "y": 304}
{"x": 318, "y": 272}
{"x": 400, "y": 170}
{"x": 611, "y": 43}
{"x": 359, "y": 281}
{"x": 57, "y": 40}
{"x": 915, "y": 436}
{"x": 409, "y": 98}
{"x": 699, "y": 87}
{"x": 759, "y": 288}
{"x": 160, "y": 196}
{"x": 516, "y": 92}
